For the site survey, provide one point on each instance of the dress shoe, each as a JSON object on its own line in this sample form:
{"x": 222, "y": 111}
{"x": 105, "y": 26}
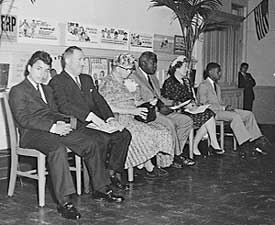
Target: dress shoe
{"x": 214, "y": 151}
{"x": 68, "y": 211}
{"x": 181, "y": 161}
{"x": 155, "y": 174}
{"x": 108, "y": 196}
{"x": 261, "y": 145}
{"x": 117, "y": 183}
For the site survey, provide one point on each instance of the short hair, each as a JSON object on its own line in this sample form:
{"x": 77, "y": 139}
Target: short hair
{"x": 69, "y": 51}
{"x": 244, "y": 64}
{"x": 146, "y": 56}
{"x": 38, "y": 55}
{"x": 172, "y": 69}
{"x": 210, "y": 66}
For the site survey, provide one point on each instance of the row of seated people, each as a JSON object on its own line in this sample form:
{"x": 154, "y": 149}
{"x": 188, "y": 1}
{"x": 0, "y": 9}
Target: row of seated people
{"x": 109, "y": 127}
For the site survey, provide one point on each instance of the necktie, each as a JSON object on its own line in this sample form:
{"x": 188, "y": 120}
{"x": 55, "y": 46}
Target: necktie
{"x": 150, "y": 82}
{"x": 77, "y": 81}
{"x": 215, "y": 87}
{"x": 38, "y": 91}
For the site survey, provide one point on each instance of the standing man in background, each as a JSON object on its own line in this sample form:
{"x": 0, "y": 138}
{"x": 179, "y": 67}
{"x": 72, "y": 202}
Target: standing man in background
{"x": 247, "y": 82}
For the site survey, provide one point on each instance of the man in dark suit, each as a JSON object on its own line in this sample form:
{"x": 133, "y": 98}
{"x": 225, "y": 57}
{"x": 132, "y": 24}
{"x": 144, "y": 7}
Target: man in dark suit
{"x": 247, "y": 82}
{"x": 43, "y": 128}
{"x": 76, "y": 95}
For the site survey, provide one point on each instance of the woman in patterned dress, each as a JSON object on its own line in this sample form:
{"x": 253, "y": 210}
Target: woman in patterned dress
{"x": 148, "y": 139}
{"x": 177, "y": 87}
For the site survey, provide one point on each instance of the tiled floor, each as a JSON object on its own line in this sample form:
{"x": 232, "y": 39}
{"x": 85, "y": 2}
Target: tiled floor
{"x": 217, "y": 191}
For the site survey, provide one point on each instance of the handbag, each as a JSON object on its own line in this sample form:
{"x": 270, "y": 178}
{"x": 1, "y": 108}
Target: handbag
{"x": 151, "y": 114}
{"x": 163, "y": 109}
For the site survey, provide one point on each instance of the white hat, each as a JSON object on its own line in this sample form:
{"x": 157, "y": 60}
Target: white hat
{"x": 181, "y": 58}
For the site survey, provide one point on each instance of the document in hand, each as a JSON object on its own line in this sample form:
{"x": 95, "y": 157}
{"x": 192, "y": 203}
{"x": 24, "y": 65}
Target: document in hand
{"x": 181, "y": 104}
{"x": 198, "y": 109}
{"x": 107, "y": 129}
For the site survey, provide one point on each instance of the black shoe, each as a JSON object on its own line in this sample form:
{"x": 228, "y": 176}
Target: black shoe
{"x": 214, "y": 151}
{"x": 68, "y": 211}
{"x": 155, "y": 174}
{"x": 261, "y": 145}
{"x": 117, "y": 183}
{"x": 108, "y": 196}
{"x": 183, "y": 161}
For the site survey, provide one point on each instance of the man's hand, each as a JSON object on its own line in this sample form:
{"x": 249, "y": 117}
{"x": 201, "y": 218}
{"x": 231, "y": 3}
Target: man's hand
{"x": 114, "y": 123}
{"x": 229, "y": 108}
{"x": 61, "y": 128}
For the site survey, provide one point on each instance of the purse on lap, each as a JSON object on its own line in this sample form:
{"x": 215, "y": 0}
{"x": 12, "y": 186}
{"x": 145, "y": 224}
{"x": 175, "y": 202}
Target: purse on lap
{"x": 151, "y": 114}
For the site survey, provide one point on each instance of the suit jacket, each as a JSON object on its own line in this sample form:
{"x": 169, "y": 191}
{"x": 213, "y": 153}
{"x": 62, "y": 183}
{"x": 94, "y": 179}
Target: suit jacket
{"x": 247, "y": 83}
{"x": 206, "y": 95}
{"x": 79, "y": 103}
{"x": 30, "y": 111}
{"x": 146, "y": 91}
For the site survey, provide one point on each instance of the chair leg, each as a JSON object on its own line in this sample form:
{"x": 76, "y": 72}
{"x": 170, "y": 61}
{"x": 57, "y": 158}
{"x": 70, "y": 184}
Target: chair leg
{"x": 78, "y": 174}
{"x": 234, "y": 144}
{"x": 130, "y": 174}
{"x": 222, "y": 134}
{"x": 86, "y": 179}
{"x": 41, "y": 169}
{"x": 13, "y": 174}
{"x": 191, "y": 139}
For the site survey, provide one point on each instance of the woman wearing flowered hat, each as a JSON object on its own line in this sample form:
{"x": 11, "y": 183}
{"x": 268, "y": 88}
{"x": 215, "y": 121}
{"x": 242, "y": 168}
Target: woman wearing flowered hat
{"x": 178, "y": 88}
{"x": 148, "y": 139}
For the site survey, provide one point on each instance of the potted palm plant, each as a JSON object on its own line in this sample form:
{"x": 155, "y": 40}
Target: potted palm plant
{"x": 193, "y": 16}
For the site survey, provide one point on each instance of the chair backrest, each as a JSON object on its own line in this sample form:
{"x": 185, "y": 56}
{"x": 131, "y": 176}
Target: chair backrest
{"x": 11, "y": 125}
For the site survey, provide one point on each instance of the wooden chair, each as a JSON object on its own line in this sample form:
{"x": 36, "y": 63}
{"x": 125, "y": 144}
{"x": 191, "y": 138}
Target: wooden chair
{"x": 222, "y": 133}
{"x": 39, "y": 173}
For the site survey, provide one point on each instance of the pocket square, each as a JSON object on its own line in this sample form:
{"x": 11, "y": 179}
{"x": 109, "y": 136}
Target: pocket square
{"x": 91, "y": 90}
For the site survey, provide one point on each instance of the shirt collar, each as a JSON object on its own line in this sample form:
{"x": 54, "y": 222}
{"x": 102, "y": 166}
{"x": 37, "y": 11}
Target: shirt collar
{"x": 72, "y": 76}
{"x": 32, "y": 82}
{"x": 145, "y": 74}
{"x": 211, "y": 81}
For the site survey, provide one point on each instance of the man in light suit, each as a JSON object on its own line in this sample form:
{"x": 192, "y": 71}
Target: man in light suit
{"x": 76, "y": 95}
{"x": 179, "y": 125}
{"x": 43, "y": 128}
{"x": 242, "y": 122}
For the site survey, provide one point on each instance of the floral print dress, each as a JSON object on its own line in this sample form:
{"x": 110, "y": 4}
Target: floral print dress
{"x": 148, "y": 139}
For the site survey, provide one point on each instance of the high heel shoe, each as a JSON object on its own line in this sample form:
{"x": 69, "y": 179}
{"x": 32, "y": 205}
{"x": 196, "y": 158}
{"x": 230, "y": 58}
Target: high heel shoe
{"x": 214, "y": 151}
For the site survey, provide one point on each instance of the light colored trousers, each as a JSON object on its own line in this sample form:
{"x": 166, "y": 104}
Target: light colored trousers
{"x": 179, "y": 125}
{"x": 243, "y": 124}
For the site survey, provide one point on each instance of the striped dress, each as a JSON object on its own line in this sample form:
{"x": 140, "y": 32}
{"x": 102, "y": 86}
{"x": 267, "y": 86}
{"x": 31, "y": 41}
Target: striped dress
{"x": 148, "y": 139}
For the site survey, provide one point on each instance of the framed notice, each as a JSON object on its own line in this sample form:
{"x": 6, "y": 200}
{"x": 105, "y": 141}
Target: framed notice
{"x": 141, "y": 42}
{"x": 82, "y": 35}
{"x": 114, "y": 38}
{"x": 99, "y": 67}
{"x": 38, "y": 31}
{"x": 8, "y": 28}
{"x": 179, "y": 45}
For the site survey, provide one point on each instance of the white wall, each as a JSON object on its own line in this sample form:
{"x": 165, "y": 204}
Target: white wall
{"x": 261, "y": 54}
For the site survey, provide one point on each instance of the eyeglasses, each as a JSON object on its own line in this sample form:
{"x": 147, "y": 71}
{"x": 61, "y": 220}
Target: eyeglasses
{"x": 127, "y": 69}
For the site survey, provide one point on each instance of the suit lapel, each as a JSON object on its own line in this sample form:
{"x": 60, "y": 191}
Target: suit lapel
{"x": 33, "y": 91}
{"x": 140, "y": 76}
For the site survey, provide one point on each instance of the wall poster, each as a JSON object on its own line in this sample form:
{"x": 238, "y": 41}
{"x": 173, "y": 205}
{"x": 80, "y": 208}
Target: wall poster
{"x": 179, "y": 45}
{"x": 164, "y": 43}
{"x": 141, "y": 42}
{"x": 114, "y": 38}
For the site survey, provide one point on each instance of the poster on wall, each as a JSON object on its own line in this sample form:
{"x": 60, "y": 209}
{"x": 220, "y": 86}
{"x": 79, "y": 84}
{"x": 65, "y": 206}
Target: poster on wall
{"x": 82, "y": 35}
{"x": 114, "y": 38}
{"x": 141, "y": 42}
{"x": 163, "y": 43}
{"x": 4, "y": 75}
{"x": 8, "y": 28}
{"x": 179, "y": 45}
{"x": 38, "y": 31}
{"x": 99, "y": 68}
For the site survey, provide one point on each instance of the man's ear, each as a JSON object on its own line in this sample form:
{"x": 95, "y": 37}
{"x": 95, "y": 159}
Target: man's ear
{"x": 29, "y": 68}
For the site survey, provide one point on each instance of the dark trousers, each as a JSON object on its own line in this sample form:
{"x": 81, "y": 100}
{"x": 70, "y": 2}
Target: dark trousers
{"x": 248, "y": 104}
{"x": 117, "y": 144}
{"x": 54, "y": 146}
